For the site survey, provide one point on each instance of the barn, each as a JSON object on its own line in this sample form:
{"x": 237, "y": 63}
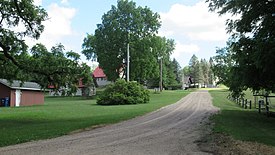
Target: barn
{"x": 17, "y": 94}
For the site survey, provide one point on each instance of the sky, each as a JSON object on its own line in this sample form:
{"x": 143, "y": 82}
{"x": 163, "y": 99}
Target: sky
{"x": 194, "y": 29}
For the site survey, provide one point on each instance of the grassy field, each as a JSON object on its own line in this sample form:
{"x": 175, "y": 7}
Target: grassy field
{"x": 242, "y": 124}
{"x": 62, "y": 115}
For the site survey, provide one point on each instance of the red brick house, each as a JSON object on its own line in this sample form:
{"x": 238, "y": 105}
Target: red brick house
{"x": 27, "y": 94}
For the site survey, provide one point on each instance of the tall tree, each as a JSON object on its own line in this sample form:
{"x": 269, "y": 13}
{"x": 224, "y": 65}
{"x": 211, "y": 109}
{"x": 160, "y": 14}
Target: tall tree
{"x": 195, "y": 70}
{"x": 13, "y": 55}
{"x": 124, "y": 23}
{"x": 253, "y": 42}
{"x": 211, "y": 75}
{"x": 205, "y": 67}
{"x": 176, "y": 70}
{"x": 223, "y": 62}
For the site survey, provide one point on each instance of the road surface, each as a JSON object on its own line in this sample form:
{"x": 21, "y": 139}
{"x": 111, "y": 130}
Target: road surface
{"x": 170, "y": 130}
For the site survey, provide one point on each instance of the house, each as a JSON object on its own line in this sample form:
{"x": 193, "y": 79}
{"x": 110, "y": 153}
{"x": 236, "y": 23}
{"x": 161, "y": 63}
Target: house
{"x": 29, "y": 93}
{"x": 100, "y": 78}
{"x": 82, "y": 90}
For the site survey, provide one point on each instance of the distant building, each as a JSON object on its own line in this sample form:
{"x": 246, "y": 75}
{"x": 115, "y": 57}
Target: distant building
{"x": 29, "y": 93}
{"x": 100, "y": 78}
{"x": 82, "y": 90}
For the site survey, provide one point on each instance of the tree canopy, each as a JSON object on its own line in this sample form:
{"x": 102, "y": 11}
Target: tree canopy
{"x": 60, "y": 68}
{"x": 200, "y": 71}
{"x": 13, "y": 50}
{"x": 126, "y": 23}
{"x": 251, "y": 45}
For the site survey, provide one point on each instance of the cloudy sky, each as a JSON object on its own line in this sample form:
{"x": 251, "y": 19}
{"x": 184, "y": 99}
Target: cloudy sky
{"x": 188, "y": 22}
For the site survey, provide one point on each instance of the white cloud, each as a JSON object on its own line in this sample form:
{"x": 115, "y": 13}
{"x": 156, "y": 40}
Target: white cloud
{"x": 59, "y": 23}
{"x": 194, "y": 22}
{"x": 37, "y": 2}
{"x": 64, "y": 1}
{"x": 57, "y": 27}
{"x": 183, "y": 52}
{"x": 182, "y": 49}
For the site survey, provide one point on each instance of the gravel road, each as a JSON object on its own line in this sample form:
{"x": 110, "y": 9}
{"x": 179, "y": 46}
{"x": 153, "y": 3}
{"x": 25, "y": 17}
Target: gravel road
{"x": 170, "y": 130}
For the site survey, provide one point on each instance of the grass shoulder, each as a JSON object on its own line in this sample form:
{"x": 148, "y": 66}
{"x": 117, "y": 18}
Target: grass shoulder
{"x": 246, "y": 127}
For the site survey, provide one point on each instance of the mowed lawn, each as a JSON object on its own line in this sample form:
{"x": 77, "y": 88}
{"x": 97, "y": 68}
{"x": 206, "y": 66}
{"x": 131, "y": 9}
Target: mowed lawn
{"x": 242, "y": 124}
{"x": 63, "y": 115}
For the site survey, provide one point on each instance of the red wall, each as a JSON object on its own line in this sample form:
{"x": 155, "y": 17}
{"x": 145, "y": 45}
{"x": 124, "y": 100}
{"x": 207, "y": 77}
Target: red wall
{"x": 12, "y": 98}
{"x": 4, "y": 91}
{"x": 29, "y": 97}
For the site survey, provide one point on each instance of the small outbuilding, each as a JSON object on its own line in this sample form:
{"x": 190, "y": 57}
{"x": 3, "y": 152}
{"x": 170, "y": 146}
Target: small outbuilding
{"x": 21, "y": 94}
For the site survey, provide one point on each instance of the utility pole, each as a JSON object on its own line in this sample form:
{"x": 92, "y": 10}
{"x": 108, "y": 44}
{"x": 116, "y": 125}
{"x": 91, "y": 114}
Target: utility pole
{"x": 128, "y": 62}
{"x": 160, "y": 74}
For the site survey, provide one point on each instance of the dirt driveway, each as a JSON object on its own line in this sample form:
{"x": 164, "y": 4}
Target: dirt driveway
{"x": 170, "y": 130}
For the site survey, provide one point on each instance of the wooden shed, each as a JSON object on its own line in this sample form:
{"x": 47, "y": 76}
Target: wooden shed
{"x": 26, "y": 94}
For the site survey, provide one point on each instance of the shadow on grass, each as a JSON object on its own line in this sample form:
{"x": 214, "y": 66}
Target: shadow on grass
{"x": 246, "y": 125}
{"x": 15, "y": 131}
{"x": 242, "y": 124}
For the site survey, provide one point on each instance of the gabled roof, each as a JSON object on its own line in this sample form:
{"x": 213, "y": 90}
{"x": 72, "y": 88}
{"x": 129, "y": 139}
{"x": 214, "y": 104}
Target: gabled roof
{"x": 98, "y": 73}
{"x": 17, "y": 85}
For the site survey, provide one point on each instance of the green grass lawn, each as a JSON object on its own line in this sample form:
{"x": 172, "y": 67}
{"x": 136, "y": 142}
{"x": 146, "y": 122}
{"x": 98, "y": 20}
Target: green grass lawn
{"x": 62, "y": 115}
{"x": 242, "y": 124}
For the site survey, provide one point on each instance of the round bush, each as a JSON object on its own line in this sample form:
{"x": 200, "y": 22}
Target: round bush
{"x": 122, "y": 92}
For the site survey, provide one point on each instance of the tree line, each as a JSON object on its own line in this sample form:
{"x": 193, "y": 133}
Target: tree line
{"x": 199, "y": 72}
{"x": 123, "y": 24}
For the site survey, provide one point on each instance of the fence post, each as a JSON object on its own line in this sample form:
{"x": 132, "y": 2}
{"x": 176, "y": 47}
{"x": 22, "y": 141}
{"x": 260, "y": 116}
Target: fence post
{"x": 255, "y": 101}
{"x": 259, "y": 106}
{"x": 267, "y": 106}
{"x": 250, "y": 104}
{"x": 243, "y": 102}
{"x": 245, "y": 106}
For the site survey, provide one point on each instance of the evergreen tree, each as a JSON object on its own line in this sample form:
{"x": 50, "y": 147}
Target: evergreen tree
{"x": 195, "y": 70}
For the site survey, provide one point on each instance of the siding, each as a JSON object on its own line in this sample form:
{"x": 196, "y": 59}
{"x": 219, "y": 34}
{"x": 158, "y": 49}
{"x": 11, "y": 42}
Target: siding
{"x": 102, "y": 82}
{"x": 12, "y": 98}
{"x": 4, "y": 91}
{"x": 31, "y": 98}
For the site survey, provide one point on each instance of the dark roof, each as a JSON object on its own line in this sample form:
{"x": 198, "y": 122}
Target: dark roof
{"x": 98, "y": 73}
{"x": 17, "y": 85}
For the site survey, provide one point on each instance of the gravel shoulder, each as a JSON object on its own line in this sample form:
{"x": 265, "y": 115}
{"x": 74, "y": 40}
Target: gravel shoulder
{"x": 174, "y": 129}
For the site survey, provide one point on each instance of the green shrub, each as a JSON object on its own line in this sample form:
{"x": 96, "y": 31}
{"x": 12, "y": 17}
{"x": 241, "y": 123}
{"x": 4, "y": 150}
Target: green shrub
{"x": 122, "y": 92}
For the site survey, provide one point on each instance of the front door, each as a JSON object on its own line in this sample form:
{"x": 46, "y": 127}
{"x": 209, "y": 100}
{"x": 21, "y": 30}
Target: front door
{"x": 17, "y": 97}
